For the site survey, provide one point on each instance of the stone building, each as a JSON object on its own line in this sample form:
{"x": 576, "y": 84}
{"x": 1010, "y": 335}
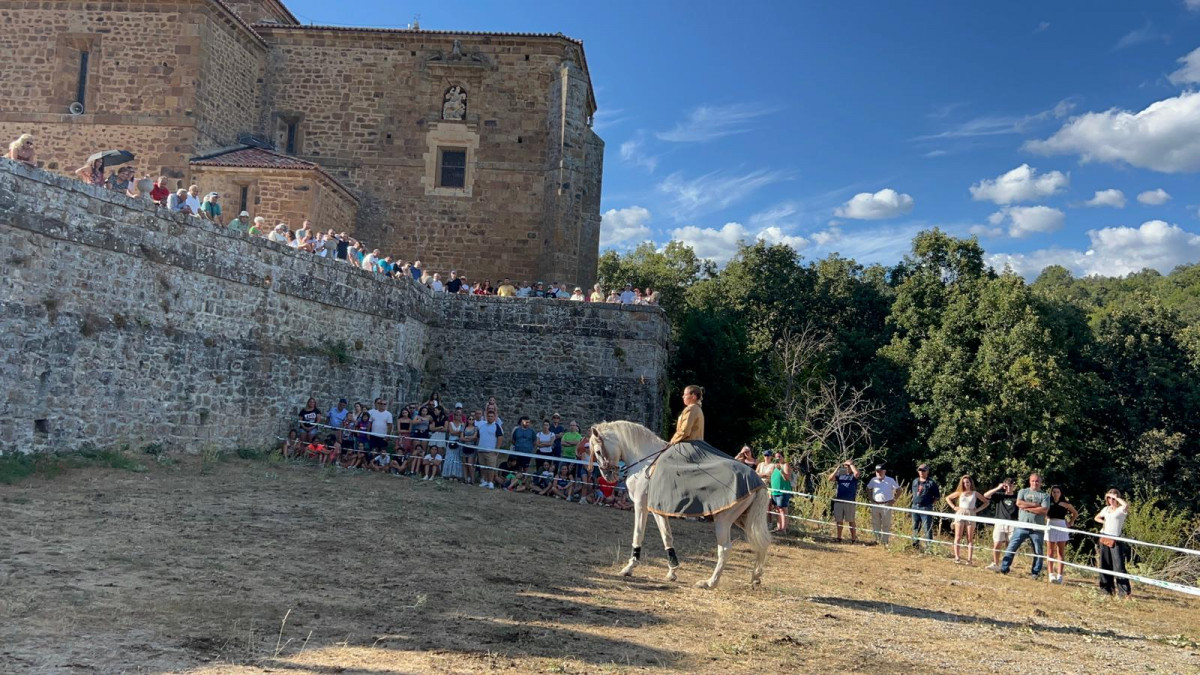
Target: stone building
{"x": 465, "y": 150}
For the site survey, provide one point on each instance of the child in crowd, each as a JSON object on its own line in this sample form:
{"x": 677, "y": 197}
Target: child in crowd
{"x": 404, "y": 431}
{"x": 564, "y": 487}
{"x": 621, "y": 497}
{"x": 470, "y": 439}
{"x": 351, "y": 458}
{"x": 420, "y": 432}
{"x": 604, "y": 493}
{"x": 544, "y": 481}
{"x": 364, "y": 427}
{"x": 291, "y": 447}
{"x": 433, "y": 461}
{"x": 513, "y": 480}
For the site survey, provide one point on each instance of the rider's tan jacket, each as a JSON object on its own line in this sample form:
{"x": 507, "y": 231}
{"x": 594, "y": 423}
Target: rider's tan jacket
{"x": 690, "y": 426}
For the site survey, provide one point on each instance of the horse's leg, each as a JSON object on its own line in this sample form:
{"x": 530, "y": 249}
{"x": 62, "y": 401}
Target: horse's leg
{"x": 639, "y": 525}
{"x": 664, "y": 528}
{"x": 723, "y": 522}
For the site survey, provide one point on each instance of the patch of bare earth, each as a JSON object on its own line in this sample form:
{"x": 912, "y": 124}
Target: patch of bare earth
{"x": 193, "y": 567}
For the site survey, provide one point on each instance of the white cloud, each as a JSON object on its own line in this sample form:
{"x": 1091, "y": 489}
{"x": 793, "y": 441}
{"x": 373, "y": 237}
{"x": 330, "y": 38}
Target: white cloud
{"x": 985, "y": 231}
{"x": 884, "y": 244}
{"x": 719, "y": 245}
{"x": 618, "y": 226}
{"x": 710, "y": 122}
{"x": 887, "y": 203}
{"x": 1156, "y": 197}
{"x": 1022, "y": 184}
{"x": 1163, "y": 137}
{"x": 1026, "y": 220}
{"x": 608, "y": 118}
{"x": 633, "y": 151}
{"x": 1193, "y": 5}
{"x": 1114, "y": 251}
{"x": 780, "y": 215}
{"x": 1146, "y": 33}
{"x": 999, "y": 125}
{"x": 1042, "y": 26}
{"x": 713, "y": 191}
{"x": 1189, "y": 72}
{"x": 1111, "y": 197}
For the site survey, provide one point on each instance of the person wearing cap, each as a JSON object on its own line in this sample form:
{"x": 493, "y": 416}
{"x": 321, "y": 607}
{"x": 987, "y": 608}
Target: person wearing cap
{"x": 241, "y": 224}
{"x": 210, "y": 208}
{"x": 337, "y": 416}
{"x": 539, "y": 290}
{"x": 846, "y": 477}
{"x": 577, "y": 296}
{"x": 881, "y": 490}
{"x": 925, "y": 494}
{"x": 627, "y": 296}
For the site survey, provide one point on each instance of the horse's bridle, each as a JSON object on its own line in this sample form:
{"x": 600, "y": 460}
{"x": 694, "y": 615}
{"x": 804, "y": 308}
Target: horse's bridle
{"x": 603, "y": 462}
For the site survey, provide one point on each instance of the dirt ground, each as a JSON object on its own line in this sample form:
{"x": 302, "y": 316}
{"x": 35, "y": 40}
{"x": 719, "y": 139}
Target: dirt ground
{"x": 253, "y": 566}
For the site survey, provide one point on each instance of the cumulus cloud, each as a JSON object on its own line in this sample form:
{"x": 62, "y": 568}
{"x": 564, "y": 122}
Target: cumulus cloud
{"x": 710, "y": 122}
{"x": 887, "y": 203}
{"x": 619, "y": 226}
{"x": 1164, "y": 137}
{"x": 986, "y": 231}
{"x": 1023, "y": 221}
{"x": 1189, "y": 72}
{"x": 713, "y": 191}
{"x": 1022, "y": 184}
{"x": 1111, "y": 197}
{"x": 719, "y": 245}
{"x": 1155, "y": 197}
{"x": 1114, "y": 251}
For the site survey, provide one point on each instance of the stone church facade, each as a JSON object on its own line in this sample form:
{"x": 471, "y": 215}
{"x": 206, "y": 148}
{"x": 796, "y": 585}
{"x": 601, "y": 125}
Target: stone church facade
{"x": 471, "y": 151}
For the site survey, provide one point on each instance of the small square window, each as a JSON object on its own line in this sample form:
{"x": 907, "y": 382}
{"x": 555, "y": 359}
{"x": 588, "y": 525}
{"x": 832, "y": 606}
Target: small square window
{"x": 452, "y": 167}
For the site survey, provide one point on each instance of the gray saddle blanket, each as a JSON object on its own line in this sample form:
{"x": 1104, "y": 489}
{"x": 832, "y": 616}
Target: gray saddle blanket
{"x": 693, "y": 478}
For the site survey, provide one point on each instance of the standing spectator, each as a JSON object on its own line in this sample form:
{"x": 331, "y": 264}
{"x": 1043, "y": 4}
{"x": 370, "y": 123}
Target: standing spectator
{"x": 337, "y": 417}
{"x": 746, "y": 456}
{"x": 331, "y": 244}
{"x": 570, "y": 441}
{"x": 417, "y": 271}
{"x": 491, "y": 437}
{"x": 1112, "y": 552}
{"x": 1060, "y": 514}
{"x": 193, "y": 199}
{"x": 160, "y": 192}
{"x": 257, "y": 227}
{"x": 557, "y": 428}
{"x": 506, "y": 289}
{"x": 577, "y": 296}
{"x": 925, "y": 493}
{"x": 544, "y": 440}
{"x": 627, "y": 295}
{"x": 453, "y": 468}
{"x": 539, "y": 290}
{"x": 381, "y": 426}
{"x": 846, "y": 477}
{"x": 966, "y": 502}
{"x": 241, "y": 224}
{"x": 651, "y": 297}
{"x": 454, "y": 285}
{"x": 436, "y": 284}
{"x": 779, "y": 476}
{"x": 277, "y": 235}
{"x": 368, "y": 262}
{"x": 1033, "y": 505}
{"x": 613, "y": 297}
{"x": 21, "y": 150}
{"x": 1004, "y": 502}
{"x": 92, "y": 174}
{"x": 597, "y": 295}
{"x": 470, "y": 439}
{"x": 882, "y": 490}
{"x": 310, "y": 417}
{"x": 120, "y": 180}
{"x": 304, "y": 231}
{"x": 523, "y": 438}
{"x": 524, "y": 290}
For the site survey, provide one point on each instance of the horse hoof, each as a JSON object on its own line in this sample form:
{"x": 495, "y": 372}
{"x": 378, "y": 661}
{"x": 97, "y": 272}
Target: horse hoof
{"x": 703, "y": 584}
{"x": 627, "y": 571}
{"x": 671, "y": 576}
{"x": 755, "y": 581}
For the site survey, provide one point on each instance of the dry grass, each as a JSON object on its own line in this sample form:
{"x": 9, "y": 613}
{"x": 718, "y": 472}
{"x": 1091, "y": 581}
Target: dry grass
{"x": 194, "y": 566}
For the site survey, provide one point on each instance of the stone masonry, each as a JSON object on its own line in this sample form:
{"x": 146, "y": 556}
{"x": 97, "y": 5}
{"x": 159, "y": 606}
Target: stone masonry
{"x": 125, "y": 327}
{"x": 379, "y": 109}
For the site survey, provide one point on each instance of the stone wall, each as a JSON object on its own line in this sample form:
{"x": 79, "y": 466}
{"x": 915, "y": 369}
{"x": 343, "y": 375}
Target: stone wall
{"x": 128, "y": 326}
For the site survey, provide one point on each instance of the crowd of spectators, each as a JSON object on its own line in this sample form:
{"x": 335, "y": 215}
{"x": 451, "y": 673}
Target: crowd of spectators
{"x": 328, "y": 244}
{"x": 430, "y": 441}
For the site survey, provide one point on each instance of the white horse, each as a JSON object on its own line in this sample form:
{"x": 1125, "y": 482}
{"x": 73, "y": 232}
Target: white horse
{"x": 612, "y": 442}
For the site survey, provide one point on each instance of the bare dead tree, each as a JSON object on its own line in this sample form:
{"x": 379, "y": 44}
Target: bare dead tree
{"x": 838, "y": 421}
{"x": 796, "y": 360}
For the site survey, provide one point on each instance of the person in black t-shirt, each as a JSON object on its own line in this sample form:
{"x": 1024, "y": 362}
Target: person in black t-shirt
{"x": 310, "y": 416}
{"x": 1004, "y": 504}
{"x": 455, "y": 284}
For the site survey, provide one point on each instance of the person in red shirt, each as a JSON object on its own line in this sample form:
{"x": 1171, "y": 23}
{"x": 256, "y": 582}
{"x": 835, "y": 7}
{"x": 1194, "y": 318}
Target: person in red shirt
{"x": 160, "y": 191}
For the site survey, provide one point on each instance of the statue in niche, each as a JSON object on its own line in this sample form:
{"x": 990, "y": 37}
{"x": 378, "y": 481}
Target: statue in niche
{"x": 456, "y": 51}
{"x": 454, "y": 107}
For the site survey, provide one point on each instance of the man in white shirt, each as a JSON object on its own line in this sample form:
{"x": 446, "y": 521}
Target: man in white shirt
{"x": 627, "y": 295}
{"x": 436, "y": 285}
{"x": 525, "y": 290}
{"x": 882, "y": 490}
{"x": 193, "y": 199}
{"x": 381, "y": 426}
{"x": 491, "y": 437}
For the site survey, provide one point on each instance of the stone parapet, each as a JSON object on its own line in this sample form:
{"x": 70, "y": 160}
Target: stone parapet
{"x": 127, "y": 325}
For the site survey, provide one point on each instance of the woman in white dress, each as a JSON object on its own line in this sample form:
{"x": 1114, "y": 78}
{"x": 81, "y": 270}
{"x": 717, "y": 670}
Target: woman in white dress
{"x": 453, "y": 468}
{"x": 965, "y": 501}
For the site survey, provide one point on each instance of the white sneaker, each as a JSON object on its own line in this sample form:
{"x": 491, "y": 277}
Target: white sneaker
{"x": 992, "y": 568}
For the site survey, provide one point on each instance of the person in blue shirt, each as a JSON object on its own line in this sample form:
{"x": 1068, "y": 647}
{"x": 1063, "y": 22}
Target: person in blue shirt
{"x": 925, "y": 494}
{"x": 337, "y": 416}
{"x": 846, "y": 477}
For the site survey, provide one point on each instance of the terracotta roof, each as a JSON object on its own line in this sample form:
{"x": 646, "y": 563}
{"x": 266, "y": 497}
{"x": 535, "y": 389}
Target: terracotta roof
{"x": 413, "y": 31}
{"x": 248, "y": 157}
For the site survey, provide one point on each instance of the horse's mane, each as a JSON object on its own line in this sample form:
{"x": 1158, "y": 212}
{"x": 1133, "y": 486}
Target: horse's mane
{"x": 630, "y": 434}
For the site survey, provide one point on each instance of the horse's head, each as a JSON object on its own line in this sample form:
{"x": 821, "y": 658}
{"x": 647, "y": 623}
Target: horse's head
{"x": 606, "y": 454}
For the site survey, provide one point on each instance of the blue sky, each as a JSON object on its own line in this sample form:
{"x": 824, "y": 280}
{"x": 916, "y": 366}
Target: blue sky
{"x": 1065, "y": 132}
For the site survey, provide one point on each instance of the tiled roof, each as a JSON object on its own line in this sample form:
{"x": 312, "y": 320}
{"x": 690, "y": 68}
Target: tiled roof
{"x": 247, "y": 157}
{"x": 413, "y": 31}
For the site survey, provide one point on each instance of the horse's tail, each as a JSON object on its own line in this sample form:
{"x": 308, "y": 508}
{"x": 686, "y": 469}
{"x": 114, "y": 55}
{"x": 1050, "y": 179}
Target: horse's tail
{"x": 754, "y": 521}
